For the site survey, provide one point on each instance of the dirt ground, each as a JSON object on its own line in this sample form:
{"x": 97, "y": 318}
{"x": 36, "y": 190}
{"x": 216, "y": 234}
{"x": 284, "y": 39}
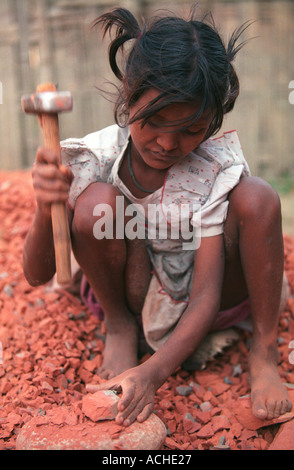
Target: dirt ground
{"x": 51, "y": 346}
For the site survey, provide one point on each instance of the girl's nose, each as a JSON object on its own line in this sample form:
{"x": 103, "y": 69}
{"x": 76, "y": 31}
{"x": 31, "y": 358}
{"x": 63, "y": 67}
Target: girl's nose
{"x": 167, "y": 141}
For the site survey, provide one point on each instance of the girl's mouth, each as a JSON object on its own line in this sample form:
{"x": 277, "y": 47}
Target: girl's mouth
{"x": 165, "y": 156}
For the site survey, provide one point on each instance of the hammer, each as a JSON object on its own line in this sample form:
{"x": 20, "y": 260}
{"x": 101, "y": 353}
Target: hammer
{"x": 47, "y": 103}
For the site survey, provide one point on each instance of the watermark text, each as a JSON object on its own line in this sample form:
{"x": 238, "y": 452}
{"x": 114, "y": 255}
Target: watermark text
{"x": 152, "y": 222}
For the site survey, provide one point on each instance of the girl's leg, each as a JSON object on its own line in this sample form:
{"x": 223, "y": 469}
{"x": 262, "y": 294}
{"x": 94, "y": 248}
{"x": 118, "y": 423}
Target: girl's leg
{"x": 116, "y": 279}
{"x": 254, "y": 268}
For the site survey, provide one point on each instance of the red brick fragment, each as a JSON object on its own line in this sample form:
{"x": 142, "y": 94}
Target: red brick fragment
{"x": 205, "y": 432}
{"x": 194, "y": 428}
{"x": 219, "y": 388}
{"x": 203, "y": 417}
{"x": 284, "y": 439}
{"x": 219, "y": 423}
{"x": 101, "y": 405}
{"x": 260, "y": 444}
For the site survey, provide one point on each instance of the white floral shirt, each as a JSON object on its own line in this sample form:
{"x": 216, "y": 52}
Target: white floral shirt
{"x": 201, "y": 183}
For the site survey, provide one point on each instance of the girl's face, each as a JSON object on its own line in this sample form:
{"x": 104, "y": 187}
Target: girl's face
{"x": 161, "y": 145}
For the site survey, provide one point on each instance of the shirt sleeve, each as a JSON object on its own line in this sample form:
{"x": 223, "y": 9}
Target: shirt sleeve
{"x": 91, "y": 158}
{"x": 84, "y": 165}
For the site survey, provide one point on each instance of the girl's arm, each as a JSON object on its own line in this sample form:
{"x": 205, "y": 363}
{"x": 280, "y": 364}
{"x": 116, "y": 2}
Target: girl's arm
{"x": 139, "y": 384}
{"x": 51, "y": 184}
{"x": 201, "y": 312}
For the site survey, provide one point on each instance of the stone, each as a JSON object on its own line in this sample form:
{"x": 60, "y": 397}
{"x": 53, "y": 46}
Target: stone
{"x": 189, "y": 417}
{"x": 41, "y": 433}
{"x": 184, "y": 390}
{"x": 206, "y": 406}
{"x": 237, "y": 370}
{"x": 8, "y": 290}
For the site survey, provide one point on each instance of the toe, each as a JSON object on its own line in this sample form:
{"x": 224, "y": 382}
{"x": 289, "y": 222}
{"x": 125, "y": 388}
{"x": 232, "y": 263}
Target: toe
{"x": 258, "y": 407}
{"x": 259, "y": 412}
{"x": 273, "y": 409}
{"x": 286, "y": 406}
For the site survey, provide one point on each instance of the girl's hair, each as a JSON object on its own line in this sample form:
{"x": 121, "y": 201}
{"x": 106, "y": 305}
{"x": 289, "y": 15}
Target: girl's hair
{"x": 184, "y": 60}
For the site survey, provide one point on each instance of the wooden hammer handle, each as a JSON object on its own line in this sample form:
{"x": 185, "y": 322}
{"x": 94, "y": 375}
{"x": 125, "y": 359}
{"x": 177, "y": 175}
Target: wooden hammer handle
{"x": 62, "y": 246}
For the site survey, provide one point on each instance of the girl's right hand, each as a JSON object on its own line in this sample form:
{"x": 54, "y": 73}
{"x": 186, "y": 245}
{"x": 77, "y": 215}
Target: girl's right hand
{"x": 51, "y": 181}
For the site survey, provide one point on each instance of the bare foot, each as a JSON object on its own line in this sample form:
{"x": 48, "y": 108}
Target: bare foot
{"x": 121, "y": 349}
{"x": 269, "y": 395}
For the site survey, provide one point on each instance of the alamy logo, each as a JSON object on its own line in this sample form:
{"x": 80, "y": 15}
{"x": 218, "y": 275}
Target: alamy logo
{"x": 154, "y": 222}
{"x": 291, "y": 94}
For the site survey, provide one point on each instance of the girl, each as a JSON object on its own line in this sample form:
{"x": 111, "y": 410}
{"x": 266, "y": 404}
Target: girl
{"x": 177, "y": 85}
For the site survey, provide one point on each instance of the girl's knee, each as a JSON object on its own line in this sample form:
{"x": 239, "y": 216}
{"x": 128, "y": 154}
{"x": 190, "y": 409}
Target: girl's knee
{"x": 97, "y": 200}
{"x": 255, "y": 200}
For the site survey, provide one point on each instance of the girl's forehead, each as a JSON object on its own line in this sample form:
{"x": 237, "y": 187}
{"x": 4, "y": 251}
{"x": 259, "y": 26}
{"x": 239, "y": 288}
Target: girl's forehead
{"x": 182, "y": 111}
{"x": 173, "y": 111}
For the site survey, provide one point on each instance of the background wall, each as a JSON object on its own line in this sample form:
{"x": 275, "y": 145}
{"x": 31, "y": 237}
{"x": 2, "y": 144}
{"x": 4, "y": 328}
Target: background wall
{"x": 49, "y": 40}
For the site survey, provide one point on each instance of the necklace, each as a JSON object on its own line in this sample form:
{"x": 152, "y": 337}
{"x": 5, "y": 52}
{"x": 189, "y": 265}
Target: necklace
{"x": 132, "y": 173}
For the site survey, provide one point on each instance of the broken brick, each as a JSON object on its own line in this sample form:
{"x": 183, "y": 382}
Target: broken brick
{"x": 101, "y": 405}
{"x": 284, "y": 439}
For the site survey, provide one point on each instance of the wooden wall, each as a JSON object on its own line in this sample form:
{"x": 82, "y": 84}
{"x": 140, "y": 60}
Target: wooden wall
{"x": 49, "y": 40}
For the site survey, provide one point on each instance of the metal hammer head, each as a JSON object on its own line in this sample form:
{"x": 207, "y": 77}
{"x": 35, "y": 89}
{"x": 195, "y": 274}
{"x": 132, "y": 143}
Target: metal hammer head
{"x": 52, "y": 102}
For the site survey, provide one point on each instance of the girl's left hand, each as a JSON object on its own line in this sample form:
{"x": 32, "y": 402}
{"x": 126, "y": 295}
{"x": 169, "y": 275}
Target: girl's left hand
{"x": 137, "y": 400}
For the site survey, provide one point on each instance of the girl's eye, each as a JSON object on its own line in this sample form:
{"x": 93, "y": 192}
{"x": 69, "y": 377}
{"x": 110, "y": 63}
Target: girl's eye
{"x": 155, "y": 122}
{"x": 189, "y": 132}
{"x": 152, "y": 124}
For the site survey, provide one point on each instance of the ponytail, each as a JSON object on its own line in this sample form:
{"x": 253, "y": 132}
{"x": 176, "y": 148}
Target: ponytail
{"x": 127, "y": 28}
{"x": 233, "y": 81}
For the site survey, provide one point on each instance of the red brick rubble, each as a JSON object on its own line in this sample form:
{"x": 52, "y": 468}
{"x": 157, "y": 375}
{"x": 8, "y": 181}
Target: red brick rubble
{"x": 51, "y": 346}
